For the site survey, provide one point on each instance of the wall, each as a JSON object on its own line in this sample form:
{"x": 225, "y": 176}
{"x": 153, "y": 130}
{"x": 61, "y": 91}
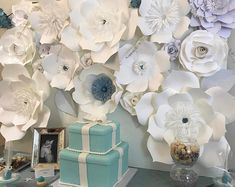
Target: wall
{"x": 131, "y": 131}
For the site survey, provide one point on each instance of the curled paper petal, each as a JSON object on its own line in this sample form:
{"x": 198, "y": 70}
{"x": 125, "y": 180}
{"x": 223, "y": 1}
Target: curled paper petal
{"x": 12, "y": 133}
{"x": 65, "y": 103}
{"x": 160, "y": 151}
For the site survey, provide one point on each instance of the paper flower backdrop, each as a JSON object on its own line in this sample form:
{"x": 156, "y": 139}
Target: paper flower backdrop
{"x": 163, "y": 61}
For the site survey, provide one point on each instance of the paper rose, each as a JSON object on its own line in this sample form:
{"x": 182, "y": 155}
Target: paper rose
{"x": 129, "y": 100}
{"x": 173, "y": 49}
{"x": 203, "y": 53}
{"x": 96, "y": 92}
{"x": 60, "y": 67}
{"x": 215, "y": 16}
{"x": 17, "y": 46}
{"x": 164, "y": 20}
{"x": 21, "y": 12}
{"x": 98, "y": 26}
{"x": 21, "y": 101}
{"x": 141, "y": 67}
{"x": 49, "y": 19}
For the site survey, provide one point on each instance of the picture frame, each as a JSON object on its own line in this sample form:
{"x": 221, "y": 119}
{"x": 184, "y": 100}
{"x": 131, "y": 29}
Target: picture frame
{"x": 47, "y": 143}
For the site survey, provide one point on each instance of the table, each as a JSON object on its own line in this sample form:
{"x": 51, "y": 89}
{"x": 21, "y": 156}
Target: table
{"x": 153, "y": 178}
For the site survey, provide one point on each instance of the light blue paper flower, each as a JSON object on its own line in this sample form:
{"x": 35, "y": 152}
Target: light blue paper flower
{"x": 217, "y": 16}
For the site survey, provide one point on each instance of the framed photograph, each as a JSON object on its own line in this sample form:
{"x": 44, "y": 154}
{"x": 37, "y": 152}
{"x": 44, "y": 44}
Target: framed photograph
{"x": 47, "y": 144}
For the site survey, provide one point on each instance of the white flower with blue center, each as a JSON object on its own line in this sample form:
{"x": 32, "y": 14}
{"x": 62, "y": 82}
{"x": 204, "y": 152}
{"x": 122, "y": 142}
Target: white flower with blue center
{"x": 96, "y": 92}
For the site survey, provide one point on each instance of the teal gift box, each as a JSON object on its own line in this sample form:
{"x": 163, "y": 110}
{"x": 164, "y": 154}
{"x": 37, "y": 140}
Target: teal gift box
{"x": 101, "y": 170}
{"x": 101, "y": 138}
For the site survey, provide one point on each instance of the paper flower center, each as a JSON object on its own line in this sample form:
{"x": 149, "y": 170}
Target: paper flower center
{"x": 134, "y": 100}
{"x": 25, "y": 101}
{"x": 185, "y": 120}
{"x": 140, "y": 67}
{"x": 160, "y": 17}
{"x": 201, "y": 51}
{"x": 103, "y": 88}
{"x": 65, "y": 67}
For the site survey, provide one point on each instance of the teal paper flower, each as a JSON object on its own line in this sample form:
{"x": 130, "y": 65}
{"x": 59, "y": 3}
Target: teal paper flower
{"x": 5, "y": 21}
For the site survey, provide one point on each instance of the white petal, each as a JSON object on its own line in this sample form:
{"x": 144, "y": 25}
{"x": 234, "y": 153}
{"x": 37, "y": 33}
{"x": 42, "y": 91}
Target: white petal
{"x": 178, "y": 80}
{"x": 11, "y": 72}
{"x": 160, "y": 151}
{"x": 163, "y": 60}
{"x": 6, "y": 117}
{"x": 138, "y": 85}
{"x": 65, "y": 103}
{"x": 144, "y": 26}
{"x": 204, "y": 134}
{"x": 20, "y": 119}
{"x": 223, "y": 103}
{"x": 218, "y": 150}
{"x": 12, "y": 133}
{"x": 144, "y": 108}
{"x": 104, "y": 54}
{"x": 155, "y": 131}
{"x": 43, "y": 117}
{"x": 169, "y": 136}
{"x": 60, "y": 81}
{"x": 160, "y": 116}
{"x": 125, "y": 75}
{"x": 50, "y": 63}
{"x": 184, "y": 7}
{"x": 155, "y": 81}
{"x": 70, "y": 39}
{"x": 162, "y": 36}
{"x": 182, "y": 27}
{"x": 41, "y": 84}
{"x": 182, "y": 98}
{"x": 218, "y": 126}
{"x": 49, "y": 35}
{"x": 223, "y": 78}
{"x": 131, "y": 27}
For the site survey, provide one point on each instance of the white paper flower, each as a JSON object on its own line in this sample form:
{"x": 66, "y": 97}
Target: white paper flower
{"x": 97, "y": 93}
{"x": 204, "y": 53}
{"x": 163, "y": 19}
{"x": 99, "y": 25}
{"x": 49, "y": 19}
{"x": 21, "y": 12}
{"x": 21, "y": 101}
{"x": 60, "y": 67}
{"x": 141, "y": 67}
{"x": 129, "y": 100}
{"x": 17, "y": 46}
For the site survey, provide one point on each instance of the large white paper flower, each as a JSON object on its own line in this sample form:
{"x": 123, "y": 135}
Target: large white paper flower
{"x": 21, "y": 101}
{"x": 99, "y": 25}
{"x": 182, "y": 99}
{"x": 163, "y": 20}
{"x": 60, "y": 67}
{"x": 49, "y": 19}
{"x": 141, "y": 67}
{"x": 204, "y": 53}
{"x": 96, "y": 92}
{"x": 129, "y": 100}
{"x": 21, "y": 12}
{"x": 17, "y": 46}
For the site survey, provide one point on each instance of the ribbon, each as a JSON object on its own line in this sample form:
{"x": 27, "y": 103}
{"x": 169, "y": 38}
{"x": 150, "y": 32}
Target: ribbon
{"x": 83, "y": 169}
{"x": 86, "y": 136}
{"x": 121, "y": 153}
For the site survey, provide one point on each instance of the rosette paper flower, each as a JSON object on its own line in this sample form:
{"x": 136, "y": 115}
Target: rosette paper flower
{"x": 17, "y": 46}
{"x": 49, "y": 18}
{"x": 163, "y": 20}
{"x": 98, "y": 26}
{"x": 96, "y": 92}
{"x": 203, "y": 53}
{"x": 21, "y": 101}
{"x": 165, "y": 110}
{"x": 215, "y": 16}
{"x": 60, "y": 67}
{"x": 141, "y": 67}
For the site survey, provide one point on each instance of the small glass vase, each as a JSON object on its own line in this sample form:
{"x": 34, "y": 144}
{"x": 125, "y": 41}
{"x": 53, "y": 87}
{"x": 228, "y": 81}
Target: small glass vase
{"x": 185, "y": 152}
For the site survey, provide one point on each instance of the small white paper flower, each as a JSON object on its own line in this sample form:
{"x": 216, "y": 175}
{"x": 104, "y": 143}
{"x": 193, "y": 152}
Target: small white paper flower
{"x": 98, "y": 26}
{"x": 49, "y": 19}
{"x": 141, "y": 67}
{"x": 96, "y": 92}
{"x": 163, "y": 20}
{"x": 21, "y": 12}
{"x": 129, "y": 100}
{"x": 21, "y": 101}
{"x": 60, "y": 67}
{"x": 17, "y": 46}
{"x": 203, "y": 53}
